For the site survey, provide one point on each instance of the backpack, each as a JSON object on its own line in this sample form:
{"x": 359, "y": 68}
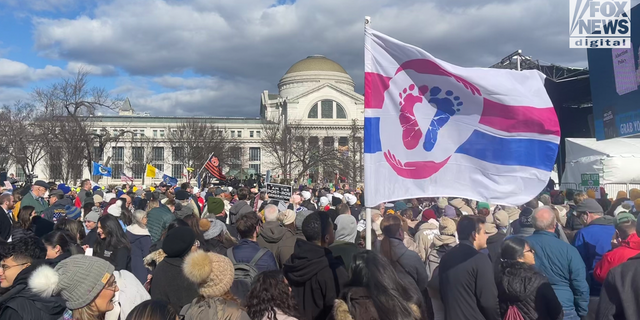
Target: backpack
{"x": 434, "y": 257}
{"x": 513, "y": 314}
{"x": 244, "y": 273}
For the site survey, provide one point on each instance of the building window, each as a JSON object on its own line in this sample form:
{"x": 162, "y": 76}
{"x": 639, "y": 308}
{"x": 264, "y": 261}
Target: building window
{"x": 239, "y": 134}
{"x": 141, "y": 131}
{"x": 250, "y": 134}
{"x": 138, "y": 170}
{"x": 326, "y": 109}
{"x": 176, "y": 170}
{"x": 257, "y": 134}
{"x": 343, "y": 141}
{"x": 20, "y": 173}
{"x": 117, "y": 169}
{"x": 340, "y": 113}
{"x": 118, "y": 153}
{"x": 177, "y": 153}
{"x": 161, "y": 133}
{"x": 158, "y": 157}
{"x": 313, "y": 113}
{"x": 255, "y": 167}
{"x": 155, "y": 133}
{"x": 233, "y": 133}
{"x": 137, "y": 154}
{"x": 254, "y": 154}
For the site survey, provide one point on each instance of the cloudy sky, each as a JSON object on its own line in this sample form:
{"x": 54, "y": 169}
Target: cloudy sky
{"x": 214, "y": 57}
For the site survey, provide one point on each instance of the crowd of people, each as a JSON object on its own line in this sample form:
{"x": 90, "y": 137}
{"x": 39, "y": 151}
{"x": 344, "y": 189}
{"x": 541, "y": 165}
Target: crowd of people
{"x": 176, "y": 252}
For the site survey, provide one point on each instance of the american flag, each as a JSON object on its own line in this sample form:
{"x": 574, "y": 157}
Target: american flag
{"x": 213, "y": 166}
{"x": 126, "y": 178}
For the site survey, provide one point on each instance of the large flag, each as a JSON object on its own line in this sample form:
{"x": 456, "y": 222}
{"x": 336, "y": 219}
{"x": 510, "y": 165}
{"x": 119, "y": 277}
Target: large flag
{"x": 126, "y": 178}
{"x": 213, "y": 166}
{"x": 101, "y": 170}
{"x": 435, "y": 129}
{"x": 151, "y": 171}
{"x": 169, "y": 180}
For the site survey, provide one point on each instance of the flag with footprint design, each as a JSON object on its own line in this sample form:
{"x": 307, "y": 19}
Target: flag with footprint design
{"x": 436, "y": 129}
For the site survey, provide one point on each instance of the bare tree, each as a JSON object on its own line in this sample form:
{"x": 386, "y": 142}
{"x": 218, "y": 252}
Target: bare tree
{"x": 350, "y": 157}
{"x": 26, "y": 130}
{"x": 63, "y": 161}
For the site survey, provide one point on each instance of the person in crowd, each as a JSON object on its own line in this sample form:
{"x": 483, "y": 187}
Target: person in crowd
{"x": 561, "y": 263}
{"x": 87, "y": 285}
{"x": 344, "y": 247}
{"x": 275, "y": 237}
{"x": 288, "y": 219}
{"x": 315, "y": 276}
{"x": 112, "y": 244}
{"x": 494, "y": 241}
{"x": 216, "y": 237}
{"x": 57, "y": 206}
{"x": 621, "y": 290}
{"x": 60, "y": 245}
{"x": 152, "y": 201}
{"x": 159, "y": 218}
{"x": 521, "y": 287}
{"x": 30, "y": 221}
{"x": 215, "y": 208}
{"x": 523, "y": 227}
{"x": 185, "y": 208}
{"x": 593, "y": 241}
{"x": 20, "y": 259}
{"x": 375, "y": 291}
{"x": 270, "y": 298}
{"x": 74, "y": 227}
{"x": 442, "y": 243}
{"x": 169, "y": 282}
{"x": 468, "y": 275}
{"x": 90, "y": 227}
{"x": 241, "y": 207}
{"x": 426, "y": 229}
{"x": 213, "y": 274}
{"x": 406, "y": 262}
{"x": 140, "y": 242}
{"x": 7, "y": 204}
{"x": 115, "y": 210}
{"x": 194, "y": 223}
{"x": 626, "y": 244}
{"x": 573, "y": 223}
{"x": 248, "y": 225}
{"x": 86, "y": 190}
{"x": 35, "y": 197}
{"x": 307, "y": 200}
{"x": 153, "y": 310}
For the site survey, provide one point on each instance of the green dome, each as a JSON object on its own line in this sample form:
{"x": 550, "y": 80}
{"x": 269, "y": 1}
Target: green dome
{"x": 316, "y": 63}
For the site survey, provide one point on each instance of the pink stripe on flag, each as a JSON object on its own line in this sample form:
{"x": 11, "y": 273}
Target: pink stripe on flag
{"x": 519, "y": 118}
{"x": 375, "y": 85}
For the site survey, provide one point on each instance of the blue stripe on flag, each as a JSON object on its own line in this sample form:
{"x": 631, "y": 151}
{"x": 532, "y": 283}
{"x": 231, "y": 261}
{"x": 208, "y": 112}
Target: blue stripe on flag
{"x": 510, "y": 151}
{"x": 372, "y": 143}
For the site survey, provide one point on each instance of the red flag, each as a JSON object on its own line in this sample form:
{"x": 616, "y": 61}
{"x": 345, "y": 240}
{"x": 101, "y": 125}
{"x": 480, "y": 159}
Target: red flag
{"x": 213, "y": 166}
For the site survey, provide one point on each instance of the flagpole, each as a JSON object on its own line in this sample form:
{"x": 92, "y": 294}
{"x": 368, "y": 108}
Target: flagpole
{"x": 367, "y": 22}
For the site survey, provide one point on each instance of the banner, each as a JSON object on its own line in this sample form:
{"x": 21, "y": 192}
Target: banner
{"x": 100, "y": 170}
{"x": 435, "y": 129}
{"x": 151, "y": 171}
{"x": 279, "y": 191}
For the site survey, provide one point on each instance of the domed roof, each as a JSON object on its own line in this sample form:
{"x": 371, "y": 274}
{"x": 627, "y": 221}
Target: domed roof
{"x": 316, "y": 63}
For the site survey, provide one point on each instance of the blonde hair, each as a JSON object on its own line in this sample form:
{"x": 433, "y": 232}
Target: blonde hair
{"x": 88, "y": 312}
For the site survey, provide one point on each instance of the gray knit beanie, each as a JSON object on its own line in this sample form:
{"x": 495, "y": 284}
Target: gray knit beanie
{"x": 78, "y": 279}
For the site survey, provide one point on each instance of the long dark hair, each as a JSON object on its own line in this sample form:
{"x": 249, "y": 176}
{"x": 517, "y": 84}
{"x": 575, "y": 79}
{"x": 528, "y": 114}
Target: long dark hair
{"x": 74, "y": 227}
{"x": 174, "y": 224}
{"x": 391, "y": 226}
{"x": 268, "y": 293}
{"x": 512, "y": 250}
{"x": 64, "y": 239}
{"x": 194, "y": 223}
{"x": 126, "y": 216}
{"x": 391, "y": 296}
{"x": 24, "y": 217}
{"x": 114, "y": 236}
{"x": 153, "y": 310}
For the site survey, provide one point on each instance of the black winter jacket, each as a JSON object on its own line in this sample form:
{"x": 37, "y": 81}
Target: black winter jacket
{"x": 316, "y": 279}
{"x": 170, "y": 284}
{"x": 529, "y": 291}
{"x": 120, "y": 258}
{"x": 621, "y": 292}
{"x": 20, "y": 303}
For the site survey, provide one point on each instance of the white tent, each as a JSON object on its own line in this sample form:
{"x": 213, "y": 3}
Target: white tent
{"x": 616, "y": 160}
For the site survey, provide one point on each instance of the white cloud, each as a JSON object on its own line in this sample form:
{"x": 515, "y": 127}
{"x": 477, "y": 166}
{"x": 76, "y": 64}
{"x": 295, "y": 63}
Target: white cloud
{"x": 102, "y": 70}
{"x": 10, "y": 95}
{"x": 18, "y": 74}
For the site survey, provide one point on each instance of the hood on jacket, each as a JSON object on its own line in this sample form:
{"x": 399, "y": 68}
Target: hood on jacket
{"x": 62, "y": 203}
{"x": 441, "y": 239}
{"x": 273, "y": 232}
{"x": 21, "y": 289}
{"x": 306, "y": 261}
{"x": 496, "y": 238}
{"x": 632, "y": 242}
{"x": 604, "y": 221}
{"x": 136, "y": 230}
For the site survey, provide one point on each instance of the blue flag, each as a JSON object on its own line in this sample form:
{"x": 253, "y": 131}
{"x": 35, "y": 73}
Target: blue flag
{"x": 169, "y": 180}
{"x": 100, "y": 170}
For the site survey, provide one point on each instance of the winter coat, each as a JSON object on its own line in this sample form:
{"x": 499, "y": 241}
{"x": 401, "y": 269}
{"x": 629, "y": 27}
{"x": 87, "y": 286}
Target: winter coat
{"x": 441, "y": 245}
{"x": 467, "y": 286}
{"x": 170, "y": 284}
{"x": 21, "y": 303}
{"x": 529, "y": 291}
{"x": 344, "y": 251}
{"x": 620, "y": 292}
{"x": 183, "y": 210}
{"x": 561, "y": 263}
{"x": 494, "y": 243}
{"x": 130, "y": 294}
{"x": 57, "y": 210}
{"x": 6, "y": 222}
{"x": 29, "y": 200}
{"x": 140, "y": 241}
{"x": 213, "y": 308}
{"x": 120, "y": 258}
{"x": 246, "y": 249}
{"x": 216, "y": 246}
{"x": 157, "y": 221}
{"x": 316, "y": 279}
{"x": 238, "y": 209}
{"x": 91, "y": 238}
{"x": 407, "y": 263}
{"x": 278, "y": 239}
{"x": 627, "y": 249}
{"x": 592, "y": 242}
{"x": 356, "y": 304}
{"x": 424, "y": 238}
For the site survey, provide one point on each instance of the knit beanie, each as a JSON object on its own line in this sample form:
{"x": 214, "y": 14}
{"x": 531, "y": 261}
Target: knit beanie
{"x": 300, "y": 218}
{"x": 323, "y": 201}
{"x": 428, "y": 214}
{"x": 72, "y": 212}
{"x": 450, "y": 212}
{"x": 634, "y": 194}
{"x": 483, "y": 205}
{"x": 178, "y": 242}
{"x": 447, "y": 226}
{"x": 624, "y": 217}
{"x": 442, "y": 203}
{"x": 306, "y": 195}
{"x": 78, "y": 280}
{"x": 215, "y": 227}
{"x": 399, "y": 206}
{"x": 347, "y": 228}
{"x": 287, "y": 217}
{"x": 351, "y": 199}
{"x": 526, "y": 218}
{"x": 115, "y": 209}
{"x": 215, "y": 205}
{"x": 211, "y": 272}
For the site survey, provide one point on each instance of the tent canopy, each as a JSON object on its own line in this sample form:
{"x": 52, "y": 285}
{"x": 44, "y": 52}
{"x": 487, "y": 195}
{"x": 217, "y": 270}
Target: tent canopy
{"x": 616, "y": 160}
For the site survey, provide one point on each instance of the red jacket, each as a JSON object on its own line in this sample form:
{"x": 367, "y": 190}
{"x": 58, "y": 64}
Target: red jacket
{"x": 628, "y": 248}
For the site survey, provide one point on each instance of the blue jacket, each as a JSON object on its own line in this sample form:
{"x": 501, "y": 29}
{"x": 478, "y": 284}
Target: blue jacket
{"x": 246, "y": 249}
{"x": 564, "y": 268}
{"x": 592, "y": 242}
